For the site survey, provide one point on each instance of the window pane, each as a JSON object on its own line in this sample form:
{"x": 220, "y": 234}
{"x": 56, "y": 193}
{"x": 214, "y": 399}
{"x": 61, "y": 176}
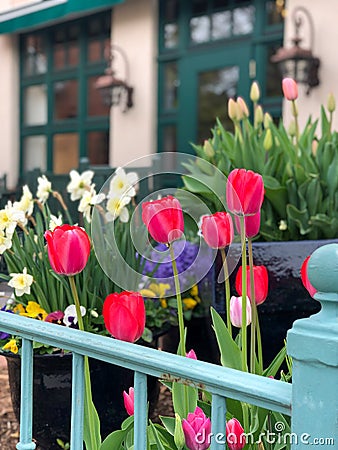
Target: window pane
{"x": 274, "y": 12}
{"x": 243, "y": 20}
{"x": 96, "y": 107}
{"x": 171, "y": 11}
{"x": 169, "y": 138}
{"x": 35, "y": 105}
{"x": 35, "y": 59}
{"x": 215, "y": 88}
{"x": 170, "y": 35}
{"x": 65, "y": 99}
{"x": 65, "y": 152}
{"x": 98, "y": 147}
{"x": 35, "y": 150}
{"x": 221, "y": 25}
{"x": 59, "y": 56}
{"x": 73, "y": 54}
{"x": 171, "y": 84}
{"x": 273, "y": 76}
{"x": 200, "y": 29}
{"x": 199, "y": 6}
{"x": 95, "y": 50}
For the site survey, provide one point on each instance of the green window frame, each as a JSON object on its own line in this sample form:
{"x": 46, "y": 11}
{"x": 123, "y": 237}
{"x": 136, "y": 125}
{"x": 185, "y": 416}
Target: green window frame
{"x": 56, "y": 69}
{"x": 176, "y": 47}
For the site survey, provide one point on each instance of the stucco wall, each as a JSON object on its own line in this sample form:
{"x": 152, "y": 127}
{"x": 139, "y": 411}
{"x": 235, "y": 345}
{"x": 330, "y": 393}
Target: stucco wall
{"x": 9, "y": 109}
{"x": 324, "y": 15}
{"x": 134, "y": 28}
{"x": 6, "y": 5}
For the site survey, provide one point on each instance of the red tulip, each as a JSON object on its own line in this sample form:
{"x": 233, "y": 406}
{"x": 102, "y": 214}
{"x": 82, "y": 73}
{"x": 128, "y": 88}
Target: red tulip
{"x": 68, "y": 249}
{"x": 164, "y": 219}
{"x": 290, "y": 89}
{"x": 197, "y": 430}
{"x": 306, "y": 282}
{"x": 124, "y": 315}
{"x": 128, "y": 400}
{"x": 252, "y": 225}
{"x": 244, "y": 192}
{"x": 218, "y": 229}
{"x": 235, "y": 435}
{"x": 260, "y": 282}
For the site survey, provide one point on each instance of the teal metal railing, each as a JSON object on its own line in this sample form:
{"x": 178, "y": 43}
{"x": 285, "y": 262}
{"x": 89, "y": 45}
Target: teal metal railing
{"x": 311, "y": 399}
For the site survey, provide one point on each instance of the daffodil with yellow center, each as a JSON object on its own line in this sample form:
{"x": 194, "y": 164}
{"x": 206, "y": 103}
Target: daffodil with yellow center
{"x": 116, "y": 208}
{"x": 11, "y": 346}
{"x": 21, "y": 282}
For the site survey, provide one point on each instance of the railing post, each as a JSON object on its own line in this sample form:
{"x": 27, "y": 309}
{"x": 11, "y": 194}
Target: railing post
{"x": 313, "y": 345}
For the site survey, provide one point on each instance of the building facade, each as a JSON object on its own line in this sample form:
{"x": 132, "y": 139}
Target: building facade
{"x": 183, "y": 59}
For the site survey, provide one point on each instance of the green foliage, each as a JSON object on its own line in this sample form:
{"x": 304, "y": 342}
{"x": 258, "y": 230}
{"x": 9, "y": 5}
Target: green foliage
{"x": 300, "y": 175}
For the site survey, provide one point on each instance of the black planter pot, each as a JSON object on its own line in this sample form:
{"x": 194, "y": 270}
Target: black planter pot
{"x": 52, "y": 382}
{"x": 287, "y": 300}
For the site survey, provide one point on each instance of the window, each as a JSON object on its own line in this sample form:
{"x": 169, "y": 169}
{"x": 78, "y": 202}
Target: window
{"x": 63, "y": 117}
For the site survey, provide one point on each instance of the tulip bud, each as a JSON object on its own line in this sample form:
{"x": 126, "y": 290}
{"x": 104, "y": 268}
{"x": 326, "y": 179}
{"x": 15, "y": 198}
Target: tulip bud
{"x": 290, "y": 89}
{"x": 195, "y": 427}
{"x": 191, "y": 354}
{"x": 305, "y": 280}
{"x": 254, "y": 92}
{"x": 331, "y": 103}
{"x": 232, "y": 109}
{"x": 244, "y": 192}
{"x": 267, "y": 143}
{"x": 208, "y": 149}
{"x": 261, "y": 283}
{"x": 236, "y": 311}
{"x": 128, "y": 399}
{"x": 258, "y": 115}
{"x": 179, "y": 438}
{"x": 267, "y": 120}
{"x": 235, "y": 435}
{"x": 243, "y": 107}
{"x": 218, "y": 230}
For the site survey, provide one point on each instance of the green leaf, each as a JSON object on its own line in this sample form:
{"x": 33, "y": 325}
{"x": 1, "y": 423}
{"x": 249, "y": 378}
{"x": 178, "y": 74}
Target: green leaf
{"x": 230, "y": 352}
{"x": 182, "y": 393}
{"x": 114, "y": 440}
{"x": 169, "y": 424}
{"x": 301, "y": 218}
{"x": 275, "y": 364}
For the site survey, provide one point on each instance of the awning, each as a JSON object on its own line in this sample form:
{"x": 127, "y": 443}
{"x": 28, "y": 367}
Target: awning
{"x": 47, "y": 12}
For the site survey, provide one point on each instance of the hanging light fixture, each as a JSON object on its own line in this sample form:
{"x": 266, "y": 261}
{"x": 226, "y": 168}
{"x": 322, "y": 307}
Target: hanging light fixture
{"x": 297, "y": 62}
{"x": 115, "y": 91}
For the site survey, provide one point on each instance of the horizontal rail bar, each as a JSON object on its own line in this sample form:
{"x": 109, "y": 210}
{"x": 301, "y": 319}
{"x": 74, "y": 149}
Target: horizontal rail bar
{"x": 250, "y": 388}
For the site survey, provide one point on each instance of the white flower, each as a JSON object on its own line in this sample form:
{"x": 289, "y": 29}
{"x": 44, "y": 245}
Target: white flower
{"x": 9, "y": 218}
{"x": 5, "y": 241}
{"x": 89, "y": 199}
{"x": 55, "y": 222}
{"x": 116, "y": 207}
{"x": 70, "y": 317}
{"x": 44, "y": 189}
{"x": 26, "y": 203}
{"x": 21, "y": 282}
{"x": 123, "y": 184}
{"x": 79, "y": 184}
{"x": 283, "y": 226}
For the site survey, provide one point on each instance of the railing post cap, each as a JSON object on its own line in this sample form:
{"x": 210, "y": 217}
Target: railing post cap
{"x": 323, "y": 268}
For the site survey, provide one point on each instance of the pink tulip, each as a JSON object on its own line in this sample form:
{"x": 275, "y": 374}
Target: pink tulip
{"x": 252, "y": 225}
{"x": 235, "y": 435}
{"x": 164, "y": 219}
{"x": 128, "y": 400}
{"x": 244, "y": 192}
{"x": 124, "y": 315}
{"x": 290, "y": 89}
{"x": 236, "y": 311}
{"x": 68, "y": 249}
{"x": 197, "y": 430}
{"x": 218, "y": 229}
{"x": 306, "y": 282}
{"x": 191, "y": 354}
{"x": 261, "y": 283}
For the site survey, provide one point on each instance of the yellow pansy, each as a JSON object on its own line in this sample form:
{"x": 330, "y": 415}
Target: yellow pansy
{"x": 189, "y": 303}
{"x": 35, "y": 311}
{"x": 147, "y": 293}
{"x": 164, "y": 303}
{"x": 194, "y": 291}
{"x": 11, "y": 346}
{"x": 159, "y": 289}
{"x": 19, "y": 309}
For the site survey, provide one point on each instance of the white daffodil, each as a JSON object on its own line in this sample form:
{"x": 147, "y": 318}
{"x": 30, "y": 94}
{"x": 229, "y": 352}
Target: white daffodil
{"x": 89, "y": 199}
{"x": 123, "y": 184}
{"x": 116, "y": 207}
{"x": 26, "y": 202}
{"x": 44, "y": 189}
{"x": 21, "y": 282}
{"x": 9, "y": 218}
{"x": 79, "y": 184}
{"x": 70, "y": 317}
{"x": 5, "y": 241}
{"x": 55, "y": 222}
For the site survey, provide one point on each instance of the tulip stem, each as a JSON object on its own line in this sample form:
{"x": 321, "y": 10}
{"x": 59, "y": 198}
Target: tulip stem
{"x": 253, "y": 310}
{"x": 227, "y": 289}
{"x": 243, "y": 328}
{"x": 179, "y": 301}
{"x": 88, "y": 389}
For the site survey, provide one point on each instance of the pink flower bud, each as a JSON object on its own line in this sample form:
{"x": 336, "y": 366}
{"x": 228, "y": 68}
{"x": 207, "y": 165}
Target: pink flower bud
{"x": 236, "y": 311}
{"x": 191, "y": 354}
{"x": 128, "y": 400}
{"x": 305, "y": 280}
{"x": 290, "y": 89}
{"x": 197, "y": 430}
{"x": 235, "y": 435}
